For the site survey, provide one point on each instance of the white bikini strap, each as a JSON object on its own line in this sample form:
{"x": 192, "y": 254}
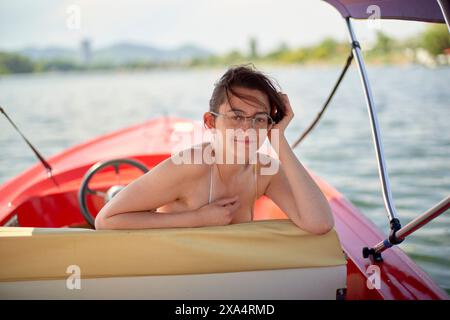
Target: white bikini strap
{"x": 210, "y": 183}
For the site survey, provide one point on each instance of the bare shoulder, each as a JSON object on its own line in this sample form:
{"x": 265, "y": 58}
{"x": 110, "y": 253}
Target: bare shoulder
{"x": 169, "y": 179}
{"x": 188, "y": 163}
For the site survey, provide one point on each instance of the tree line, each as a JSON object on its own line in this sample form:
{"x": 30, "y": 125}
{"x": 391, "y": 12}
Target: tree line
{"x": 434, "y": 39}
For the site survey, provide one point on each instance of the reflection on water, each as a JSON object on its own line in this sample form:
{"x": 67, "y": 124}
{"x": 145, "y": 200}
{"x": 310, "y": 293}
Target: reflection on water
{"x": 58, "y": 110}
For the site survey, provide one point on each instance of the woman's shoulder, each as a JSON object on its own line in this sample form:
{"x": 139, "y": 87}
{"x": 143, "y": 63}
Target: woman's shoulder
{"x": 190, "y": 161}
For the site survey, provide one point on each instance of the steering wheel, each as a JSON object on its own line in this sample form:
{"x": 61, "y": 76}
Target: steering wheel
{"x": 112, "y": 191}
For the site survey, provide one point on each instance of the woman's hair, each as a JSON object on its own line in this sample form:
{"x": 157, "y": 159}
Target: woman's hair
{"x": 248, "y": 77}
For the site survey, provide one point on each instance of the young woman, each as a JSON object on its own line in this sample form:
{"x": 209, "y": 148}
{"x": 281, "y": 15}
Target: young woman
{"x": 174, "y": 194}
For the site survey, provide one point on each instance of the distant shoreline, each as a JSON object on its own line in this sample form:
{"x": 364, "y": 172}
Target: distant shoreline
{"x": 259, "y": 65}
{"x": 430, "y": 48}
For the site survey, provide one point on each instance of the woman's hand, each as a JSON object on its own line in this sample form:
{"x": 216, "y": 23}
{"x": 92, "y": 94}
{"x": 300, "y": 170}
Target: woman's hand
{"x": 219, "y": 212}
{"x": 282, "y": 125}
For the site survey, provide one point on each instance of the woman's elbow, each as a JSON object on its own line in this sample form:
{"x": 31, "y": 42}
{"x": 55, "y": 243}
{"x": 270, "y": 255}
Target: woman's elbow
{"x": 326, "y": 222}
{"x": 103, "y": 221}
{"x": 326, "y": 225}
{"x": 318, "y": 227}
{"x": 99, "y": 223}
{"x": 324, "y": 228}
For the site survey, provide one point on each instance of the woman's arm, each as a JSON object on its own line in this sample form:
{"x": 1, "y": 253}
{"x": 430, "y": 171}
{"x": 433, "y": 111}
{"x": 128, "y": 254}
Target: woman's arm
{"x": 293, "y": 189}
{"x": 218, "y": 213}
{"x": 134, "y": 207}
{"x": 296, "y": 193}
{"x": 148, "y": 219}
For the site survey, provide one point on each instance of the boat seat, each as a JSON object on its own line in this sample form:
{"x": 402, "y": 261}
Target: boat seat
{"x": 264, "y": 259}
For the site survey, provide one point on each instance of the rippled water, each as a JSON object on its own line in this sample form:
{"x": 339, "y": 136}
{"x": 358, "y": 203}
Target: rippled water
{"x": 58, "y": 110}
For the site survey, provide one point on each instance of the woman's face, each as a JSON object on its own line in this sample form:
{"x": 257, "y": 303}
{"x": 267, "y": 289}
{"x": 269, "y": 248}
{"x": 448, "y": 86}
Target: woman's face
{"x": 241, "y": 135}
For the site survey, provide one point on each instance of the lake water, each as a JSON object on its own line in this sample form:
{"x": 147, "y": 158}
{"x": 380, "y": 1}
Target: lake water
{"x": 56, "y": 111}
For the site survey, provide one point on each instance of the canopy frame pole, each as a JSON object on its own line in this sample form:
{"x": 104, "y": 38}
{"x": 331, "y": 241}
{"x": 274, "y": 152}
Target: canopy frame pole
{"x": 445, "y": 8}
{"x": 376, "y": 137}
{"x": 416, "y": 224}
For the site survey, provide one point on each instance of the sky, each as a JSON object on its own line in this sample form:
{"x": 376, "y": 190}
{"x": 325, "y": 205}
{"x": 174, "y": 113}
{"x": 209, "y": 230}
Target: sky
{"x": 217, "y": 25}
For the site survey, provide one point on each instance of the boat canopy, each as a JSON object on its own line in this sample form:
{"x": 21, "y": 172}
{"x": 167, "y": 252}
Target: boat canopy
{"x": 418, "y": 10}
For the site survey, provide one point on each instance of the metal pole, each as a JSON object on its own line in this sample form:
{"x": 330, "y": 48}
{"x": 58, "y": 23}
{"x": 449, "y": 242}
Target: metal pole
{"x": 376, "y": 136}
{"x": 417, "y": 223}
{"x": 445, "y": 8}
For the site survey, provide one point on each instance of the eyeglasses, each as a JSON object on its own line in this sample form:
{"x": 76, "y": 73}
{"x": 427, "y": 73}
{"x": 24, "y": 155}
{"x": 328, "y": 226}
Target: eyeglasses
{"x": 235, "y": 120}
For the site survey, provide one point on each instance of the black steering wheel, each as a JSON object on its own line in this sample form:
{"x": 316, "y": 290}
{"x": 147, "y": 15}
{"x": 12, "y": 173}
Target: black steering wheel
{"x": 112, "y": 191}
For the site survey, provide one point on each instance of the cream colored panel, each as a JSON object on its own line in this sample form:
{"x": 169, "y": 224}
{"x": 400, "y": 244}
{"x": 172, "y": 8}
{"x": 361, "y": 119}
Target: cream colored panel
{"x": 38, "y": 254}
{"x": 304, "y": 283}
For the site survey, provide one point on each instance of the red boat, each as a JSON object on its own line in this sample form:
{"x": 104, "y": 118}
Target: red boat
{"x": 47, "y": 214}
